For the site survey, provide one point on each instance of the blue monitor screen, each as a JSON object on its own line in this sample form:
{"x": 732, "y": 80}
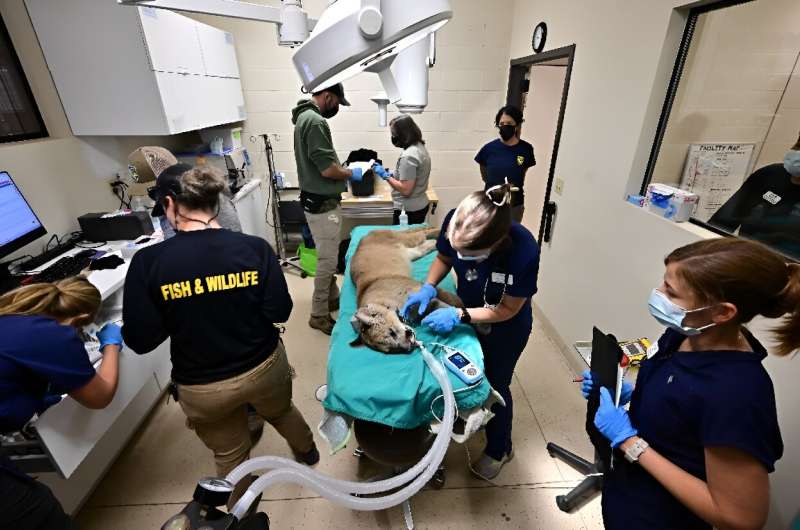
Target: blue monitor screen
{"x": 19, "y": 224}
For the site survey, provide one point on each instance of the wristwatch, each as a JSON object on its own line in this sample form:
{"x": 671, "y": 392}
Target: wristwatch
{"x": 635, "y": 450}
{"x": 465, "y": 316}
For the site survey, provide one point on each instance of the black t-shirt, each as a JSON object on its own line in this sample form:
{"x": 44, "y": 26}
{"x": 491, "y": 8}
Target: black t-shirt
{"x": 507, "y": 162}
{"x": 684, "y": 402}
{"x": 215, "y": 293}
{"x": 766, "y": 208}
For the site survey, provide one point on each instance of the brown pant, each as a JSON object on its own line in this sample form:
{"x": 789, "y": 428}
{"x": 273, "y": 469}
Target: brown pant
{"x": 218, "y": 413}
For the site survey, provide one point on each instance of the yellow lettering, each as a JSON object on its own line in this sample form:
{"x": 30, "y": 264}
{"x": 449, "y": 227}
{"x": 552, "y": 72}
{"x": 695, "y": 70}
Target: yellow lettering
{"x": 254, "y": 275}
{"x": 241, "y": 280}
{"x": 165, "y": 292}
{"x": 231, "y": 280}
{"x": 212, "y": 282}
{"x": 186, "y": 288}
{"x": 198, "y": 286}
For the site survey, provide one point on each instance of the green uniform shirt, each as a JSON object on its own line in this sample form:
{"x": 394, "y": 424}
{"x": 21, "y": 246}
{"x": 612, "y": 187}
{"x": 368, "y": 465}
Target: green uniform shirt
{"x": 313, "y": 151}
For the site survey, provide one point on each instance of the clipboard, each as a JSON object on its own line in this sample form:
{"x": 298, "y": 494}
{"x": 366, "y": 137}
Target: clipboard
{"x": 605, "y": 367}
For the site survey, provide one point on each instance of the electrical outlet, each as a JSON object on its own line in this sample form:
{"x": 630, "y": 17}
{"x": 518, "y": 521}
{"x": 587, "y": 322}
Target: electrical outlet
{"x": 559, "y": 186}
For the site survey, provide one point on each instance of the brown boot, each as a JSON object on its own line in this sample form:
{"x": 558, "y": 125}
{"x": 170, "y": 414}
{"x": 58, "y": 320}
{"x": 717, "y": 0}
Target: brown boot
{"x": 323, "y": 323}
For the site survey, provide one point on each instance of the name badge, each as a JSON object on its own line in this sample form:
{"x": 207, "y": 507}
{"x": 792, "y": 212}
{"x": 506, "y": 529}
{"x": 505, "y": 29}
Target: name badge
{"x": 772, "y": 198}
{"x": 499, "y": 277}
{"x": 652, "y": 350}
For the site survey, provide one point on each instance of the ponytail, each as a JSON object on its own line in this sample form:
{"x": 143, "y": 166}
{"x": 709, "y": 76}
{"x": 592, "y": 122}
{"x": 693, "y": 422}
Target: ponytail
{"x": 788, "y": 303}
{"x": 749, "y": 275}
{"x": 482, "y": 219}
{"x": 71, "y": 298}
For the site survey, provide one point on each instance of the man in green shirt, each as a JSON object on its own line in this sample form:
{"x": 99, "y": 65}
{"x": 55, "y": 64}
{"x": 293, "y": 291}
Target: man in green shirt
{"x": 322, "y": 180}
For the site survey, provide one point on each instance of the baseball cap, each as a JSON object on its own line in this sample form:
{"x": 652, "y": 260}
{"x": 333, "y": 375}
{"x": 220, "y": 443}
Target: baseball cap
{"x": 146, "y": 163}
{"x": 338, "y": 91}
{"x": 167, "y": 183}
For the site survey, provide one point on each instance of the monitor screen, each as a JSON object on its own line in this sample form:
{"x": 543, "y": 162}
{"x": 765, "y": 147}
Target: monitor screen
{"x": 20, "y": 225}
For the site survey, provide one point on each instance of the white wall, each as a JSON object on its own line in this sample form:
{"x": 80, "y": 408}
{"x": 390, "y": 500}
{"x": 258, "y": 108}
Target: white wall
{"x": 467, "y": 86}
{"x": 62, "y": 176}
{"x": 607, "y": 255}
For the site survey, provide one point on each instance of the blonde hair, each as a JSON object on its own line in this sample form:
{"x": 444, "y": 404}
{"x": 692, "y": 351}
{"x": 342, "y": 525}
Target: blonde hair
{"x": 62, "y": 300}
{"x": 479, "y": 223}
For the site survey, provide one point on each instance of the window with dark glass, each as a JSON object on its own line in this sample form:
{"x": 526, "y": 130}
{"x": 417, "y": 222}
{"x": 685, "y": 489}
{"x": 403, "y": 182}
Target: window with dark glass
{"x": 730, "y": 127}
{"x": 19, "y": 115}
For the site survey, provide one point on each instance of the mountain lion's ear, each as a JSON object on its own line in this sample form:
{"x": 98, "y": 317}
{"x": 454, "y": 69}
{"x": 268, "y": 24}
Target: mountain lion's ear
{"x": 357, "y": 342}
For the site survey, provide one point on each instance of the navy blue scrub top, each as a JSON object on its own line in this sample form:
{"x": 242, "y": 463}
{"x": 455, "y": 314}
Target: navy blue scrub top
{"x": 520, "y": 261}
{"x": 503, "y": 161}
{"x": 684, "y": 402}
{"x": 38, "y": 356}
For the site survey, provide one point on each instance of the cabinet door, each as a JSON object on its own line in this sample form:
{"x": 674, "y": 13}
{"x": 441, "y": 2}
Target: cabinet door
{"x": 219, "y": 51}
{"x": 172, "y": 42}
{"x": 219, "y": 101}
{"x": 179, "y": 96}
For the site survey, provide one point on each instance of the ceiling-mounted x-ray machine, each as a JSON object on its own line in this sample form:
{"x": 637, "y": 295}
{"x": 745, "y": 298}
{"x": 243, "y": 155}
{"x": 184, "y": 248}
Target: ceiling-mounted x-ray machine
{"x": 392, "y": 38}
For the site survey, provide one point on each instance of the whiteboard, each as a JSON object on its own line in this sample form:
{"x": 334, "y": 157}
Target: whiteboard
{"x": 715, "y": 172}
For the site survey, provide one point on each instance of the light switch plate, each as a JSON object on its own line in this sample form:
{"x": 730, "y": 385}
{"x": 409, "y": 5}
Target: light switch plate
{"x": 559, "y": 186}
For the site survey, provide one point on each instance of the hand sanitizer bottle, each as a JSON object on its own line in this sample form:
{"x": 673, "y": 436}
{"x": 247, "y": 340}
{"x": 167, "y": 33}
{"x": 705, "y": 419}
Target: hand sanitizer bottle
{"x": 403, "y": 217}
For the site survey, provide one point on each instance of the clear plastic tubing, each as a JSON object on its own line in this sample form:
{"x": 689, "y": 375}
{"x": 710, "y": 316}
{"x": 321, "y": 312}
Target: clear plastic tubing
{"x": 340, "y": 491}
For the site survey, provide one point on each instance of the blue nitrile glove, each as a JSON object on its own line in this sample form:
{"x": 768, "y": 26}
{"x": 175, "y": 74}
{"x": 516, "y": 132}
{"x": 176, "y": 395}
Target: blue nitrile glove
{"x": 588, "y": 385}
{"x": 381, "y": 171}
{"x": 110, "y": 334}
{"x": 442, "y": 320}
{"x": 613, "y": 421}
{"x": 358, "y": 174}
{"x": 422, "y": 297}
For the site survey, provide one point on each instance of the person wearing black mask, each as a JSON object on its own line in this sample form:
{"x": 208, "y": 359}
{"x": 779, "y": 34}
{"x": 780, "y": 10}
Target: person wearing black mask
{"x": 507, "y": 158}
{"x": 322, "y": 180}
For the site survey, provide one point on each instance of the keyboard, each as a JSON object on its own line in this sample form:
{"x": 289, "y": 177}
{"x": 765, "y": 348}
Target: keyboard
{"x": 37, "y": 261}
{"x": 63, "y": 268}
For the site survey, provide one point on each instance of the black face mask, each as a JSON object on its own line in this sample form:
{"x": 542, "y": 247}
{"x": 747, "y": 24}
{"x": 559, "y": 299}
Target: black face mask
{"x": 396, "y": 141}
{"x": 507, "y": 132}
{"x": 330, "y": 113}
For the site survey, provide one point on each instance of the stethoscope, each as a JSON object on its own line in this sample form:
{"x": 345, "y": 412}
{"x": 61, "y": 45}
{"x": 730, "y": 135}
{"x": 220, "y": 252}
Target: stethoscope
{"x": 472, "y": 274}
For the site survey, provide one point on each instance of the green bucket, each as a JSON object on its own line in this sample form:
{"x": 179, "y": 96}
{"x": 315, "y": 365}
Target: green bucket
{"x": 308, "y": 259}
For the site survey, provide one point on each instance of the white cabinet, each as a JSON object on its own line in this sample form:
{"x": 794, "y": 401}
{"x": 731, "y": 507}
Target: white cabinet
{"x": 219, "y": 51}
{"x": 171, "y": 40}
{"x": 128, "y": 71}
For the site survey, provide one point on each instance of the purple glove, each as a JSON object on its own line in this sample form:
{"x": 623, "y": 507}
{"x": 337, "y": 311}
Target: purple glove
{"x": 442, "y": 320}
{"x": 613, "y": 421}
{"x": 588, "y": 386}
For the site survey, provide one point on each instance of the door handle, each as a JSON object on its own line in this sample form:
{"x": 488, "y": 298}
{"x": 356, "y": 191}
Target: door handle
{"x": 550, "y": 210}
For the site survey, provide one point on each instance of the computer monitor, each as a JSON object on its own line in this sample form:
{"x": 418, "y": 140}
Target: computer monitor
{"x": 19, "y": 225}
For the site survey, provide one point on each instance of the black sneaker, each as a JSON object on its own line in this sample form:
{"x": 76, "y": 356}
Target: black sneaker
{"x": 310, "y": 458}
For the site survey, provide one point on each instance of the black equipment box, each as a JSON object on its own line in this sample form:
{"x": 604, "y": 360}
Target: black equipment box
{"x": 131, "y": 225}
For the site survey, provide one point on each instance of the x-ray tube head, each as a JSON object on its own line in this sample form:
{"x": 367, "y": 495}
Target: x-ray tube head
{"x": 410, "y": 72}
{"x": 338, "y": 50}
{"x": 293, "y": 29}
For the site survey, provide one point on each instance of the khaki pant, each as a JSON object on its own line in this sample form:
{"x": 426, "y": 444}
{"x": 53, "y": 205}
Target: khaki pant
{"x": 325, "y": 227}
{"x": 218, "y": 413}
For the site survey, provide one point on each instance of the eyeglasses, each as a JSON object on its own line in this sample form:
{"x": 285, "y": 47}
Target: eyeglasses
{"x": 507, "y": 191}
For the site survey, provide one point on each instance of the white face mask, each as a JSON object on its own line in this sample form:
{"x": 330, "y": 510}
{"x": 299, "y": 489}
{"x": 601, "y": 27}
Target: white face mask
{"x": 672, "y": 315}
{"x": 478, "y": 258}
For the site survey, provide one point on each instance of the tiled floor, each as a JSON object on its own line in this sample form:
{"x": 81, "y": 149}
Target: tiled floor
{"x": 155, "y": 475}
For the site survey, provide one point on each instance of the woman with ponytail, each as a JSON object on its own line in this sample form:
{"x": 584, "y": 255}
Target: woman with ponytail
{"x": 496, "y": 261}
{"x": 40, "y": 354}
{"x": 701, "y": 436}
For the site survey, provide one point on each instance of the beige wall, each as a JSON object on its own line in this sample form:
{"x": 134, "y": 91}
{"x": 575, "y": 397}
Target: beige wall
{"x": 607, "y": 255}
{"x": 734, "y": 81}
{"x": 61, "y": 176}
{"x": 467, "y": 87}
